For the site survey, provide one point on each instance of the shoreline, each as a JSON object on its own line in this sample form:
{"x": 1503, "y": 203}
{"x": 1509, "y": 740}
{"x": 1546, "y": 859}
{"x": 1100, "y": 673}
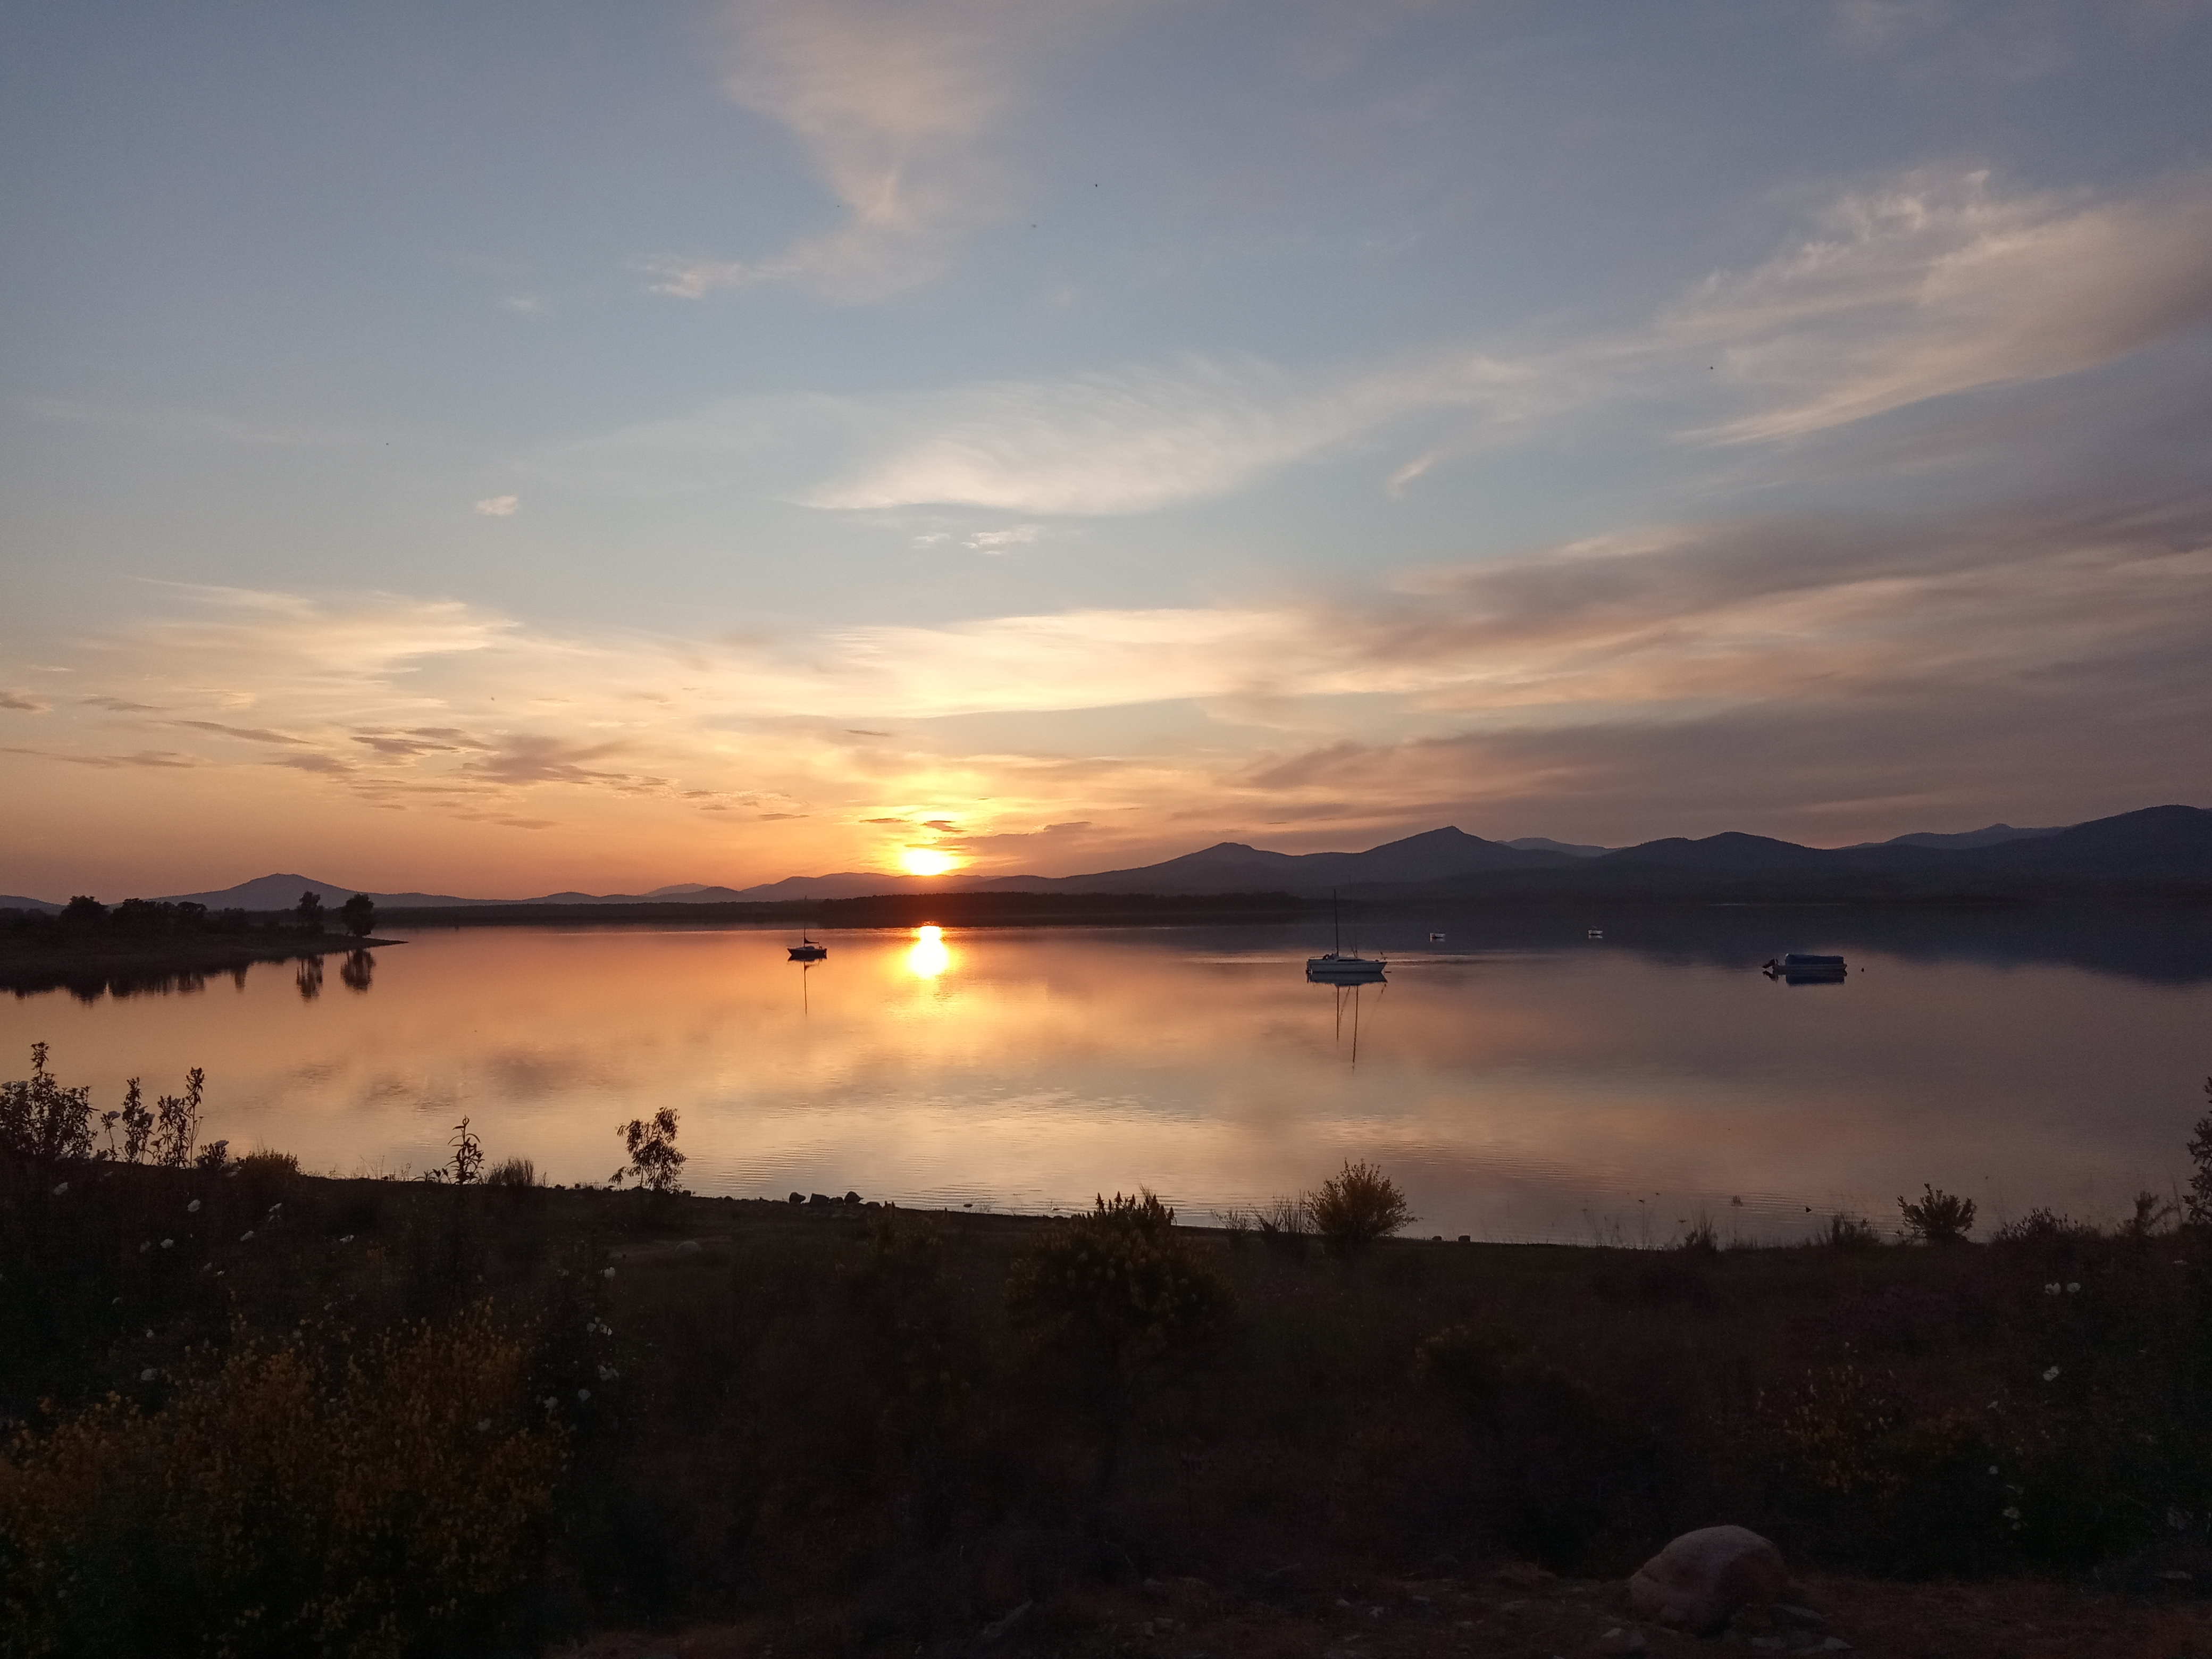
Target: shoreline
{"x": 125, "y": 966}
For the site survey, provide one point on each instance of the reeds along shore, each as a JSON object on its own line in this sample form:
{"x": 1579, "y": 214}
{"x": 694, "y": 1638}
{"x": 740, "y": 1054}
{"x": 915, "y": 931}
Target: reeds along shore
{"x": 255, "y": 1411}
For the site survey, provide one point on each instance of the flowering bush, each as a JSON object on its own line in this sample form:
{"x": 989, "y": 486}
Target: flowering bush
{"x": 288, "y": 1503}
{"x": 1120, "y": 1278}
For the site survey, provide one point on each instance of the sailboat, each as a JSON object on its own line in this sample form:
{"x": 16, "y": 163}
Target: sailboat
{"x": 1338, "y": 969}
{"x": 806, "y": 950}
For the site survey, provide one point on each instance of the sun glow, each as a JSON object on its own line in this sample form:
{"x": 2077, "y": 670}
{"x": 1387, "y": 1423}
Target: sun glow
{"x": 928, "y": 958}
{"x": 927, "y": 861}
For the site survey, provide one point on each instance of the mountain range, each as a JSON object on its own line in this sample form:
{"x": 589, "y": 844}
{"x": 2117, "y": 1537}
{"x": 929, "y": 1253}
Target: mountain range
{"x": 2158, "y": 849}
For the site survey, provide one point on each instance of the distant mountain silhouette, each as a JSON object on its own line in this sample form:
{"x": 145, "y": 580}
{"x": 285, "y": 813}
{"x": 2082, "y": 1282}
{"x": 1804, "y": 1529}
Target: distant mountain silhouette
{"x": 17, "y": 902}
{"x": 281, "y": 892}
{"x": 1231, "y": 866}
{"x": 2161, "y": 850}
{"x": 1546, "y": 844}
{"x": 1965, "y": 840}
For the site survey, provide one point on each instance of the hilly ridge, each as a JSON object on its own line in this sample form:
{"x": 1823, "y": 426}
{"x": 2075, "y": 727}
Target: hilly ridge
{"x": 2158, "y": 851}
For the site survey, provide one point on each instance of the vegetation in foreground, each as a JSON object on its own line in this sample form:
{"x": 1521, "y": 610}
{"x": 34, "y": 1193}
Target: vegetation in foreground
{"x": 257, "y": 1412}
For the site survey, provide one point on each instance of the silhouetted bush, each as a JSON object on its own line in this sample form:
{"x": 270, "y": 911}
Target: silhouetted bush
{"x": 1939, "y": 1218}
{"x": 42, "y": 1121}
{"x": 1845, "y": 1232}
{"x": 1119, "y": 1280}
{"x": 1285, "y": 1226}
{"x": 512, "y": 1172}
{"x": 2198, "y": 1204}
{"x": 1357, "y": 1207}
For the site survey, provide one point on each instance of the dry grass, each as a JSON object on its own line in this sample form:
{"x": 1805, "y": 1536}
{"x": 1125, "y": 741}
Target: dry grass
{"x": 829, "y": 1421}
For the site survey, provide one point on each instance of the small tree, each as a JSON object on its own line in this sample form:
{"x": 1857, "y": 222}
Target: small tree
{"x": 1357, "y": 1206}
{"x": 2198, "y": 1204}
{"x": 309, "y": 910}
{"x": 654, "y": 1160}
{"x": 359, "y": 914}
{"x": 1939, "y": 1218}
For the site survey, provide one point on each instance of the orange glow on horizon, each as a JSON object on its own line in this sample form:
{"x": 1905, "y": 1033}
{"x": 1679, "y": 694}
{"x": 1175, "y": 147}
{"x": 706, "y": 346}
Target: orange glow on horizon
{"x": 927, "y": 861}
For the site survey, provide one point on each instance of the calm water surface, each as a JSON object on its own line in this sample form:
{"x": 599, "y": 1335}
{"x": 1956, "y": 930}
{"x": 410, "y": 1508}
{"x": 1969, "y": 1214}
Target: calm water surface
{"x": 1521, "y": 1080}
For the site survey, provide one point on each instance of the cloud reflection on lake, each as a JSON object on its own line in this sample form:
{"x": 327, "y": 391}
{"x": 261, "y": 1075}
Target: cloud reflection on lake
{"x": 1521, "y": 1080}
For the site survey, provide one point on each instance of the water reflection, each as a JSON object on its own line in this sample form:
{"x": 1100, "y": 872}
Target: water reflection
{"x": 1525, "y": 1081}
{"x": 307, "y": 978}
{"x": 929, "y": 956}
{"x": 358, "y": 970}
{"x": 1348, "y": 1003}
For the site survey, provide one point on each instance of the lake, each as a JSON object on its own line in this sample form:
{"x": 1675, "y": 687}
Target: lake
{"x": 1521, "y": 1079}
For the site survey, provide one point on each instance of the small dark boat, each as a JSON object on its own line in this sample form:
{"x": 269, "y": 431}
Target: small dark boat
{"x": 807, "y": 950}
{"x": 1796, "y": 968}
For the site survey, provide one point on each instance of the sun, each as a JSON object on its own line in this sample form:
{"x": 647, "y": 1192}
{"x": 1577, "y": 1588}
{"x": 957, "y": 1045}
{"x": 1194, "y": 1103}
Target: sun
{"x": 927, "y": 861}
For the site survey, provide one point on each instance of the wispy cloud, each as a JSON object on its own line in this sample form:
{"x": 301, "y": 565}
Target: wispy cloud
{"x": 1138, "y": 438}
{"x": 250, "y": 733}
{"x": 499, "y": 507}
{"x": 899, "y": 105}
{"x": 25, "y": 702}
{"x": 1933, "y": 284}
{"x": 1937, "y": 285}
{"x": 1781, "y": 672}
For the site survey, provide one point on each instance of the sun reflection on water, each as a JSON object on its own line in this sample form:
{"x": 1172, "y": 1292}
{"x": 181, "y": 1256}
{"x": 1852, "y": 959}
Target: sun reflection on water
{"x": 928, "y": 958}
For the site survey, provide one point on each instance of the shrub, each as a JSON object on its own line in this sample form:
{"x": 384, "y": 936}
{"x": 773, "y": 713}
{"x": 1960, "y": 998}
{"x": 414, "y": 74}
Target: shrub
{"x": 42, "y": 1121}
{"x": 2198, "y": 1204}
{"x": 177, "y": 1124}
{"x": 1701, "y": 1237}
{"x": 512, "y": 1172}
{"x": 284, "y": 1505}
{"x": 2151, "y": 1214}
{"x": 1939, "y": 1218}
{"x": 2040, "y": 1226}
{"x": 1119, "y": 1281}
{"x": 1356, "y": 1207}
{"x": 1285, "y": 1226}
{"x": 267, "y": 1163}
{"x": 1845, "y": 1232}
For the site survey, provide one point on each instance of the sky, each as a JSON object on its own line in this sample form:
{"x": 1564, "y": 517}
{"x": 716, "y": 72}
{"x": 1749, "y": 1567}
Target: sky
{"x": 510, "y": 448}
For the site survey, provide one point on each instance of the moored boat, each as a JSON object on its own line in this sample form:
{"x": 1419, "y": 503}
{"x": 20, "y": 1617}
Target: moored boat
{"x": 1797, "y": 967}
{"x": 1338, "y": 969}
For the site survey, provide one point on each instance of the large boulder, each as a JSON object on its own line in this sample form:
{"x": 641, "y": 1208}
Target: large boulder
{"x": 1698, "y": 1581}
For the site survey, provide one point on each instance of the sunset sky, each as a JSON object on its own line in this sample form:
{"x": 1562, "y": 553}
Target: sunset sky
{"x": 503, "y": 447}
